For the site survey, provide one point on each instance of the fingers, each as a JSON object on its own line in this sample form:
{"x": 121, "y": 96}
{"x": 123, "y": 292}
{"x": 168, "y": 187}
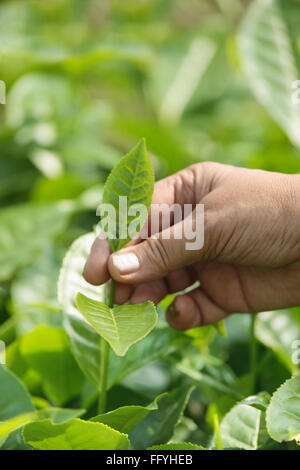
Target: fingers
{"x": 154, "y": 291}
{"x": 193, "y": 309}
{"x": 95, "y": 271}
{"x": 159, "y": 255}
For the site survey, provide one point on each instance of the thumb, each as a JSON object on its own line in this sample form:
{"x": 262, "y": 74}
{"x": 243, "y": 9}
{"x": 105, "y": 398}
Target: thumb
{"x": 175, "y": 247}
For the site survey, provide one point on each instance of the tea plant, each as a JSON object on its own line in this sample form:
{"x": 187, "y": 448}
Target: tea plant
{"x": 69, "y": 382}
{"x": 111, "y": 342}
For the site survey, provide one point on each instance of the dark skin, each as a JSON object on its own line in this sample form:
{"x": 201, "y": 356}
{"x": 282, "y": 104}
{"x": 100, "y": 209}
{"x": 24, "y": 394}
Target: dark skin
{"x": 250, "y": 261}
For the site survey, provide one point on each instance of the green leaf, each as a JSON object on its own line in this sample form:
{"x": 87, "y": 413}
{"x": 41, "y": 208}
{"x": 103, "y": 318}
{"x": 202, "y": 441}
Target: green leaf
{"x": 46, "y": 350}
{"x": 126, "y": 418}
{"x": 83, "y": 338}
{"x": 121, "y": 326}
{"x": 75, "y": 434}
{"x": 132, "y": 178}
{"x": 283, "y": 414}
{"x": 34, "y": 293}
{"x": 220, "y": 327}
{"x": 14, "y": 398}
{"x": 269, "y": 51}
{"x": 24, "y": 230}
{"x": 179, "y": 446}
{"x": 158, "y": 426}
{"x": 278, "y": 331}
{"x": 158, "y": 344}
{"x": 244, "y": 428}
{"x": 57, "y": 415}
{"x": 259, "y": 401}
{"x": 211, "y": 372}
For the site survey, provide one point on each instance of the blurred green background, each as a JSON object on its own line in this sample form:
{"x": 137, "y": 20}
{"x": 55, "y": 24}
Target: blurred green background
{"x": 85, "y": 80}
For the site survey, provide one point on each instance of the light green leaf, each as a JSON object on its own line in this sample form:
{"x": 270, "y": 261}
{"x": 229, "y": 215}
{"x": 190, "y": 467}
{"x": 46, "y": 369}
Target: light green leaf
{"x": 57, "y": 415}
{"x": 133, "y": 179}
{"x": 259, "y": 401}
{"x": 34, "y": 293}
{"x": 211, "y": 372}
{"x": 278, "y": 331}
{"x": 46, "y": 350}
{"x": 126, "y": 418}
{"x": 24, "y": 230}
{"x": 83, "y": 338}
{"x": 220, "y": 327}
{"x": 179, "y": 446}
{"x": 244, "y": 428}
{"x": 75, "y": 434}
{"x": 268, "y": 43}
{"x": 158, "y": 426}
{"x": 121, "y": 326}
{"x": 12, "y": 424}
{"x": 283, "y": 413}
{"x": 14, "y": 398}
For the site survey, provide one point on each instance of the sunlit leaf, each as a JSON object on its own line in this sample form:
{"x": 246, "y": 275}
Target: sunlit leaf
{"x": 283, "y": 414}
{"x": 46, "y": 350}
{"x": 244, "y": 427}
{"x": 121, "y": 326}
{"x": 132, "y": 178}
{"x": 268, "y": 43}
{"x": 179, "y": 446}
{"x": 75, "y": 434}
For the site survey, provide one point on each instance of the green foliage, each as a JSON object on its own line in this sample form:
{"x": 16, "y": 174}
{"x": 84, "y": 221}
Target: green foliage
{"x": 283, "y": 418}
{"x": 133, "y": 179}
{"x": 75, "y": 434}
{"x": 158, "y": 426}
{"x": 86, "y": 79}
{"x": 182, "y": 446}
{"x": 270, "y": 54}
{"x": 115, "y": 324}
{"x": 14, "y": 399}
{"x": 244, "y": 427}
{"x": 47, "y": 352}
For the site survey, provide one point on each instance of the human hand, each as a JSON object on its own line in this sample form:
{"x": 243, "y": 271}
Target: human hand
{"x": 250, "y": 261}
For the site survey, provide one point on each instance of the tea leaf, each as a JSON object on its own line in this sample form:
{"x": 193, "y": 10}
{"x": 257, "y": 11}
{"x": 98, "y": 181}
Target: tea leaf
{"x": 75, "y": 434}
{"x": 14, "y": 398}
{"x": 132, "y": 178}
{"x": 244, "y": 428}
{"x": 283, "y": 414}
{"x": 46, "y": 350}
{"x": 83, "y": 338}
{"x": 177, "y": 446}
{"x": 158, "y": 426}
{"x": 268, "y": 42}
{"x": 126, "y": 418}
{"x": 121, "y": 326}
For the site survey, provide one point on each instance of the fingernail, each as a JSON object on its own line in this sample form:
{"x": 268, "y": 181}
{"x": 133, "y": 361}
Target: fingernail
{"x": 126, "y": 263}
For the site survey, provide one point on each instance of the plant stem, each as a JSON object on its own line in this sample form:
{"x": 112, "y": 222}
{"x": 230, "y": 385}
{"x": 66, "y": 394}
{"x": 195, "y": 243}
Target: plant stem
{"x": 219, "y": 444}
{"x": 253, "y": 352}
{"x": 104, "y": 358}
